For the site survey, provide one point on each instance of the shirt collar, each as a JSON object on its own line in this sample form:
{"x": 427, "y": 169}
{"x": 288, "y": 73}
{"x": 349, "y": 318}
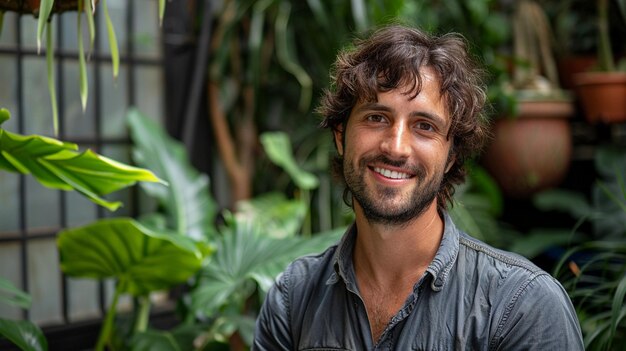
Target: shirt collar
{"x": 439, "y": 268}
{"x": 446, "y": 254}
{"x": 342, "y": 260}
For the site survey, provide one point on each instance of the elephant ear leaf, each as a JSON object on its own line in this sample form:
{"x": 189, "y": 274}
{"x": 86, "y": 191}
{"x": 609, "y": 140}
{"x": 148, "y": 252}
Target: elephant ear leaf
{"x": 24, "y": 334}
{"x": 141, "y": 260}
{"x": 59, "y": 165}
{"x": 187, "y": 202}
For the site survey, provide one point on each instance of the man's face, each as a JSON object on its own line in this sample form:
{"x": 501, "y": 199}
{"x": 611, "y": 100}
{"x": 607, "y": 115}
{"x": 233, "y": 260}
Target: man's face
{"x": 396, "y": 152}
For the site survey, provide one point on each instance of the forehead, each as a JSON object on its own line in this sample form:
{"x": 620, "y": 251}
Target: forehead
{"x": 424, "y": 91}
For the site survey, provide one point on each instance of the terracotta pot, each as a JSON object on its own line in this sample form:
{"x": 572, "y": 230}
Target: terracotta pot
{"x": 602, "y": 96}
{"x": 569, "y": 66}
{"x": 32, "y": 6}
{"x": 531, "y": 152}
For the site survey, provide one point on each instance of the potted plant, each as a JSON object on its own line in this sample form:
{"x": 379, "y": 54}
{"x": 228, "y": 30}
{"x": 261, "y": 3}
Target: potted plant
{"x": 43, "y": 11}
{"x": 602, "y": 92}
{"x": 592, "y": 268}
{"x": 531, "y": 149}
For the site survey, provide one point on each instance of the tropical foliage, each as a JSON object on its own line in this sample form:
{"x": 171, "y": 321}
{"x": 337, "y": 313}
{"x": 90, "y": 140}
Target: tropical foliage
{"x": 59, "y": 165}
{"x": 252, "y": 244}
{"x": 594, "y": 269}
{"x": 26, "y": 335}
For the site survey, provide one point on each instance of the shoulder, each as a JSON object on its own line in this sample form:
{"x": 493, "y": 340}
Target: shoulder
{"x": 498, "y": 256}
{"x": 276, "y": 326}
{"x": 514, "y": 273}
{"x": 524, "y": 297}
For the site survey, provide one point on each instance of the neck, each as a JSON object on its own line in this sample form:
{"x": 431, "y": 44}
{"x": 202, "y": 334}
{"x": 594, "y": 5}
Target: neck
{"x": 388, "y": 253}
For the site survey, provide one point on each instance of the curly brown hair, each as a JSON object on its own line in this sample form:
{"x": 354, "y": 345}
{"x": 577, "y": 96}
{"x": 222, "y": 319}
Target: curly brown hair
{"x": 392, "y": 57}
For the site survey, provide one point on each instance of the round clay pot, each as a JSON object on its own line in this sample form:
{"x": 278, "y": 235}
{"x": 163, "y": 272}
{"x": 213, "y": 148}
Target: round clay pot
{"x": 602, "y": 96}
{"x": 531, "y": 152}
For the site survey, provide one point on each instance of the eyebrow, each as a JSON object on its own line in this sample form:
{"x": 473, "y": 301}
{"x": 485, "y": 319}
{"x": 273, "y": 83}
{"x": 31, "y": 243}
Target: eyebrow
{"x": 375, "y": 106}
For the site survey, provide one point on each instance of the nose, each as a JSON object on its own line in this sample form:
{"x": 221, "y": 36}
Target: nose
{"x": 396, "y": 142}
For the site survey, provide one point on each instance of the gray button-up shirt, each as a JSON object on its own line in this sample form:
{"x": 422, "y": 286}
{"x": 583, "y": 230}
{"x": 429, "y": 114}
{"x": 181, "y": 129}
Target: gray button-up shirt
{"x": 472, "y": 297}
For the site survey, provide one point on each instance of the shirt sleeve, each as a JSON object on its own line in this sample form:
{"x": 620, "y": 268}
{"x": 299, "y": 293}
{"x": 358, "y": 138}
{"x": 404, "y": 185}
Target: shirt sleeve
{"x": 540, "y": 316}
{"x": 273, "y": 330}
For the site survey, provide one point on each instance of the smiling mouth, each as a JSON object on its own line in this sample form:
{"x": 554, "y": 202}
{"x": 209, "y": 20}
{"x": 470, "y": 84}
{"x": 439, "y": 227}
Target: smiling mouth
{"x": 392, "y": 174}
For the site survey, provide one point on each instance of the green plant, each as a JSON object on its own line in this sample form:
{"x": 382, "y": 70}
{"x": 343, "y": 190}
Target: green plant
{"x": 140, "y": 260}
{"x": 606, "y": 59}
{"x": 253, "y": 244}
{"x": 535, "y": 72}
{"x": 593, "y": 270}
{"x": 86, "y": 8}
{"x": 26, "y": 335}
{"x": 59, "y": 165}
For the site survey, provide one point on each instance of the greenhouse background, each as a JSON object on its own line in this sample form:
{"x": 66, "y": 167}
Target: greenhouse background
{"x": 218, "y": 98}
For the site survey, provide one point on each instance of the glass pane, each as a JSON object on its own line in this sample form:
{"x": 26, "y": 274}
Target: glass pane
{"x": 77, "y": 123}
{"x": 10, "y": 269}
{"x": 8, "y": 95}
{"x": 29, "y": 31}
{"x": 8, "y": 29}
{"x": 42, "y": 207}
{"x": 9, "y": 191}
{"x": 147, "y": 30}
{"x": 114, "y": 96}
{"x": 44, "y": 281}
{"x": 68, "y": 21}
{"x": 149, "y": 93}
{"x": 79, "y": 209}
{"x": 83, "y": 299}
{"x": 37, "y": 108}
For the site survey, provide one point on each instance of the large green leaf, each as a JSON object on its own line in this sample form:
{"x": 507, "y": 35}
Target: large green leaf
{"x": 26, "y": 335}
{"x": 141, "y": 260}
{"x": 278, "y": 149}
{"x": 180, "y": 338}
{"x": 59, "y": 165}
{"x": 245, "y": 256}
{"x": 190, "y": 208}
{"x": 279, "y": 216}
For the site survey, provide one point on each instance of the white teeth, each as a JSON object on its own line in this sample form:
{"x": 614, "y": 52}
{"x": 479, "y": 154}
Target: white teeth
{"x": 391, "y": 174}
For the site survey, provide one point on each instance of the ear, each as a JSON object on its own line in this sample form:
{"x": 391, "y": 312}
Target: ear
{"x": 338, "y": 134}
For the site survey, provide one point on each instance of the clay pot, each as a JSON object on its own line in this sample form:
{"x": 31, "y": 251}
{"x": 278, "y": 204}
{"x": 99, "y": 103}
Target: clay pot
{"x": 602, "y": 96}
{"x": 569, "y": 66}
{"x": 531, "y": 152}
{"x": 32, "y": 6}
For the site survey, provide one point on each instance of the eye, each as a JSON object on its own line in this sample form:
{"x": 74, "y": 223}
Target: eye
{"x": 375, "y": 118}
{"x": 424, "y": 126}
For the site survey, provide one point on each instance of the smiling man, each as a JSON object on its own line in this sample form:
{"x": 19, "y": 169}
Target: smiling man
{"x": 405, "y": 111}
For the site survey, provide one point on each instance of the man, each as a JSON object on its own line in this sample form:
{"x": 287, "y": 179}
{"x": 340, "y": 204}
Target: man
{"x": 405, "y": 111}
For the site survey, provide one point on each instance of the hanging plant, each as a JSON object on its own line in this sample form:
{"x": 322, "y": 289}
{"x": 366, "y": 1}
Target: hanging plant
{"x": 43, "y": 11}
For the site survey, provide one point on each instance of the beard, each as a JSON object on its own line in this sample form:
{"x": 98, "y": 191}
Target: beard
{"x": 389, "y": 205}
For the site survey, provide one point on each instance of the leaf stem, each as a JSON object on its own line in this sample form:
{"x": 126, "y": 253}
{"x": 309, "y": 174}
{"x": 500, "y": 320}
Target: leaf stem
{"x": 107, "y": 327}
{"x": 143, "y": 314}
